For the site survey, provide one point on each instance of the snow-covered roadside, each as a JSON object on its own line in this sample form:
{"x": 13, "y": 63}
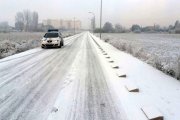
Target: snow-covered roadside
{"x": 162, "y": 51}
{"x": 156, "y": 89}
{"x": 12, "y": 43}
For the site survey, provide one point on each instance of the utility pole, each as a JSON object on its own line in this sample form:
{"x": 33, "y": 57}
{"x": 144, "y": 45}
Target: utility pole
{"x": 94, "y": 25}
{"x": 101, "y": 19}
{"x": 74, "y": 27}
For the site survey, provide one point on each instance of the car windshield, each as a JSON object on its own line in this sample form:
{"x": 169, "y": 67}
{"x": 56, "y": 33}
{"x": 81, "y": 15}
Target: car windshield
{"x": 51, "y": 35}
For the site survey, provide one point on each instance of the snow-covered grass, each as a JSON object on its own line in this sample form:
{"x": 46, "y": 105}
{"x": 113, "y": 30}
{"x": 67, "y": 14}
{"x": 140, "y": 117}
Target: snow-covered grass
{"x": 16, "y": 42}
{"x": 156, "y": 89}
{"x": 11, "y": 43}
{"x": 160, "y": 50}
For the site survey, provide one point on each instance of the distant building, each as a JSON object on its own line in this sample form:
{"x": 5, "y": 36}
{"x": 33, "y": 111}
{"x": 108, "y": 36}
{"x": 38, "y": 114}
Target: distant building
{"x": 63, "y": 24}
{"x": 4, "y": 27}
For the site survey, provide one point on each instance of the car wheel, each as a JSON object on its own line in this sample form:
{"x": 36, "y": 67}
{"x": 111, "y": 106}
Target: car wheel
{"x": 59, "y": 46}
{"x": 62, "y": 44}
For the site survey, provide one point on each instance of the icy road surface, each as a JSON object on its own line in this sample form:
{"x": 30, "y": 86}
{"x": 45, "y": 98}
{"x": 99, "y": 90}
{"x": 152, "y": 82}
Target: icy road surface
{"x": 64, "y": 84}
{"x": 77, "y": 82}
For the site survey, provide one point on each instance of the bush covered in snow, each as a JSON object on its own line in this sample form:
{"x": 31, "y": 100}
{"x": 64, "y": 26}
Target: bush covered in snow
{"x": 160, "y": 50}
{"x": 15, "y": 42}
{"x": 11, "y": 43}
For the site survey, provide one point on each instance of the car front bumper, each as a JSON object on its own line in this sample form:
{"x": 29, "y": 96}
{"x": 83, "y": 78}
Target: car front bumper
{"x": 50, "y": 44}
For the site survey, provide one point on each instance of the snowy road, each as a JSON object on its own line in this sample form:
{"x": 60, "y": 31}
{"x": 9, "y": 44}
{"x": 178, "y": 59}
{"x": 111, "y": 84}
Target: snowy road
{"x": 78, "y": 82}
{"x": 67, "y": 83}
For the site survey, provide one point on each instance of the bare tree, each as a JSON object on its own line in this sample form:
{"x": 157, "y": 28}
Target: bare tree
{"x": 108, "y": 27}
{"x": 19, "y": 21}
{"x": 177, "y": 27}
{"x": 34, "y": 22}
{"x": 27, "y": 19}
{"x": 136, "y": 28}
{"x": 118, "y": 28}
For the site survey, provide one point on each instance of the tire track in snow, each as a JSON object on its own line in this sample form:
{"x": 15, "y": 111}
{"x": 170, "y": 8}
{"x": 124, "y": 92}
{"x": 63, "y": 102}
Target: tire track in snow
{"x": 92, "y": 99}
{"x": 18, "y": 103}
{"x": 13, "y": 75}
{"x": 22, "y": 62}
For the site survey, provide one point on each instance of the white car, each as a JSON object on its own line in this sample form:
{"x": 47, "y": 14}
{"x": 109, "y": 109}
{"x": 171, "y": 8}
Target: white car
{"x": 52, "y": 39}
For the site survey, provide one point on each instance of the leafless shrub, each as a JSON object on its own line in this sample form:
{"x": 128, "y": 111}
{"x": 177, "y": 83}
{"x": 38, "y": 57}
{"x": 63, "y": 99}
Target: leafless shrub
{"x": 16, "y": 42}
{"x": 129, "y": 49}
{"x": 123, "y": 47}
{"x": 171, "y": 72}
{"x": 138, "y": 53}
{"x": 158, "y": 64}
{"x": 106, "y": 40}
{"x": 160, "y": 54}
{"x": 178, "y": 68}
{"x": 1, "y": 55}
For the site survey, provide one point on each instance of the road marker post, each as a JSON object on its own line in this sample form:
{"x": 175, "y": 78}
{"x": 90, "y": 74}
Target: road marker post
{"x": 110, "y": 60}
{"x": 121, "y": 74}
{"x": 152, "y": 113}
{"x": 108, "y": 57}
{"x": 132, "y": 88}
{"x": 115, "y": 66}
{"x": 103, "y": 51}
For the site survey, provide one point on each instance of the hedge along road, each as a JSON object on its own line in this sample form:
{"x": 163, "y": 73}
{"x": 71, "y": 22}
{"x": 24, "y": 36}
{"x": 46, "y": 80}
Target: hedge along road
{"x": 67, "y": 84}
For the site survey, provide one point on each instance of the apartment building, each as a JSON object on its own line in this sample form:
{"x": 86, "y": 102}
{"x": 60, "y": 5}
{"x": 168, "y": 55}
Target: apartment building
{"x": 63, "y": 24}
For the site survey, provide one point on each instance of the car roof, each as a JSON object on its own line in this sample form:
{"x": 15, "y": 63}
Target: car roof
{"x": 53, "y": 32}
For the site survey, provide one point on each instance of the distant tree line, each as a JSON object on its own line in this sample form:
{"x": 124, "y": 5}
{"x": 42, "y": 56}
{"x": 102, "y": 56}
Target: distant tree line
{"x": 109, "y": 28}
{"x": 26, "y": 21}
{"x": 156, "y": 28}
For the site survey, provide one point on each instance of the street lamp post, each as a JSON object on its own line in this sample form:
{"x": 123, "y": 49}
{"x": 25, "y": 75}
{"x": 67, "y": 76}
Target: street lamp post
{"x": 94, "y": 21}
{"x": 101, "y": 19}
{"x": 90, "y": 25}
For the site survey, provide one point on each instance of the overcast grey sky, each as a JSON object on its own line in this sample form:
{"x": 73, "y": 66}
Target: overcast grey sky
{"x": 125, "y": 12}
